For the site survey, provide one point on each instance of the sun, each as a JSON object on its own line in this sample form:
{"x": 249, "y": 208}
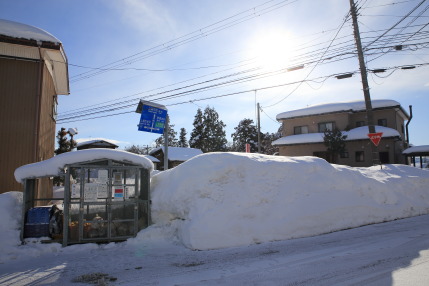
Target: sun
{"x": 272, "y": 49}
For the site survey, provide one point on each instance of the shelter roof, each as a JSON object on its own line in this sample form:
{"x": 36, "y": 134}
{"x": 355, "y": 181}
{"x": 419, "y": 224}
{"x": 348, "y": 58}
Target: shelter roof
{"x": 422, "y": 150}
{"x": 54, "y": 165}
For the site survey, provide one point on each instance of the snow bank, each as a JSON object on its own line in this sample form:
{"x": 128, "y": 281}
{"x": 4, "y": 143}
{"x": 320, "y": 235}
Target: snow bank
{"x": 221, "y": 200}
{"x": 10, "y": 214}
{"x": 52, "y": 166}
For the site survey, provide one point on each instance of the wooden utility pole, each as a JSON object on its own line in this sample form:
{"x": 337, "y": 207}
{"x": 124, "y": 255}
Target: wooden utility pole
{"x": 259, "y": 129}
{"x": 166, "y": 143}
{"x": 363, "y": 73}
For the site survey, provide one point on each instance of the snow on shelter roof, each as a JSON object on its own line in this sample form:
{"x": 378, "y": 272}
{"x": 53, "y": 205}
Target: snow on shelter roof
{"x": 179, "y": 153}
{"x": 52, "y": 166}
{"x": 352, "y": 106}
{"x": 23, "y": 31}
{"x": 359, "y": 133}
{"x": 417, "y": 150}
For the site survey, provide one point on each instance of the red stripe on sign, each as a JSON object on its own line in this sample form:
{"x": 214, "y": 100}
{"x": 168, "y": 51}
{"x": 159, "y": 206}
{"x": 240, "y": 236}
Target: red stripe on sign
{"x": 119, "y": 191}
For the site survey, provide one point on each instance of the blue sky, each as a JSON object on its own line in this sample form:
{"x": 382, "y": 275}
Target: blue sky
{"x": 248, "y": 38}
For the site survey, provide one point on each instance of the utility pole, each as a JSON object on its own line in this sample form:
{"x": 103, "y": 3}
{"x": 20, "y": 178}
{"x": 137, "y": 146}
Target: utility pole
{"x": 166, "y": 143}
{"x": 363, "y": 73}
{"x": 259, "y": 130}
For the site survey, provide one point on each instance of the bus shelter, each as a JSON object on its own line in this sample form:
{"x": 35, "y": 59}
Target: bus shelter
{"x": 106, "y": 196}
{"x": 417, "y": 152}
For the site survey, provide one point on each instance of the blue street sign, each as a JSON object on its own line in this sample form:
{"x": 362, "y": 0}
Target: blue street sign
{"x": 152, "y": 119}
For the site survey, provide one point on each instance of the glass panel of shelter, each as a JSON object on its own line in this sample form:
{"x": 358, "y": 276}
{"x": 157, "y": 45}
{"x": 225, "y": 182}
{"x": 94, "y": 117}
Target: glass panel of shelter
{"x": 104, "y": 201}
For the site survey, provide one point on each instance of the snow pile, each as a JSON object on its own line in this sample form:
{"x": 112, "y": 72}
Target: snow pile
{"x": 52, "y": 166}
{"x": 10, "y": 213}
{"x": 221, "y": 200}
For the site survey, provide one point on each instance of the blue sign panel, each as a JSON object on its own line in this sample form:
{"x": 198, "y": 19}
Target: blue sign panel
{"x": 152, "y": 119}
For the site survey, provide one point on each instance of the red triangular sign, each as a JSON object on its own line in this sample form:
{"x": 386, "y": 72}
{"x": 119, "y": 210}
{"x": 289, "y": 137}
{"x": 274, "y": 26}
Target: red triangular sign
{"x": 375, "y": 137}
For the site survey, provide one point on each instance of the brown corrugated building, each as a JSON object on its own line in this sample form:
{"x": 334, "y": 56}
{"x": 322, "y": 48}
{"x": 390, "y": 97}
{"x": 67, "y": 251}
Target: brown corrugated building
{"x": 33, "y": 72}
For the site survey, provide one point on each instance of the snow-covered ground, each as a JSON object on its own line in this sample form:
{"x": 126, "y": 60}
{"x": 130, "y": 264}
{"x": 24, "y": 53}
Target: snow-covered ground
{"x": 245, "y": 211}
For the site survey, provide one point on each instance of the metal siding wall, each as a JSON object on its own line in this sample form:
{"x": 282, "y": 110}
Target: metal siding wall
{"x": 47, "y": 131}
{"x": 18, "y": 92}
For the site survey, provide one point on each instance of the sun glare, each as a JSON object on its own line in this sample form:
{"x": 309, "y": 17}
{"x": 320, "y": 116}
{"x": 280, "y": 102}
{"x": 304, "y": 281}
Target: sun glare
{"x": 272, "y": 49}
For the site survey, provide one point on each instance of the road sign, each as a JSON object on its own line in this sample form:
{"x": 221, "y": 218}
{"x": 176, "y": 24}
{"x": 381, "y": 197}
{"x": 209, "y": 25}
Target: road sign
{"x": 247, "y": 148}
{"x": 153, "y": 117}
{"x": 375, "y": 137}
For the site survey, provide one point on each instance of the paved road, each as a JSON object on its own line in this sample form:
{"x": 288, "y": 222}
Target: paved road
{"x": 393, "y": 253}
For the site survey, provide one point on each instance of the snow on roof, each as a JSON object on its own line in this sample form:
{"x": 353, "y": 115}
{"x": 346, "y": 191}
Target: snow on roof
{"x": 23, "y": 31}
{"x": 152, "y": 158}
{"x": 178, "y": 153}
{"x": 353, "y": 134}
{"x": 52, "y": 166}
{"x": 352, "y": 106}
{"x": 84, "y": 141}
{"x": 417, "y": 149}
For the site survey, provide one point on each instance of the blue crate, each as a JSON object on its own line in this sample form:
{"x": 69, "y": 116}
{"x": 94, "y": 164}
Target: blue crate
{"x": 36, "y": 230}
{"x": 38, "y": 215}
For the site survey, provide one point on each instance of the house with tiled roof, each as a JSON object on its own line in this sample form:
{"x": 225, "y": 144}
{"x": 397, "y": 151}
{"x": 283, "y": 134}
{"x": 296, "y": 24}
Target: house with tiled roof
{"x": 303, "y": 131}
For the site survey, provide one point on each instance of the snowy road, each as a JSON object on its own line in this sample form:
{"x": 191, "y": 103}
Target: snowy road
{"x": 394, "y": 253}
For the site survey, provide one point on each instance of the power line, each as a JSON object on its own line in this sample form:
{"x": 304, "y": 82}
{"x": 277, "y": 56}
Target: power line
{"x": 77, "y": 118}
{"x": 126, "y": 103}
{"x": 195, "y": 35}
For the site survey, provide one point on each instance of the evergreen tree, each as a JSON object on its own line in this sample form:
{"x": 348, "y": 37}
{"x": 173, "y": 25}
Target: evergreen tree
{"x": 245, "y": 132}
{"x": 64, "y": 145}
{"x": 266, "y": 143}
{"x": 335, "y": 142}
{"x": 182, "y": 139}
{"x": 214, "y": 133}
{"x": 197, "y": 134}
{"x": 208, "y": 134}
{"x": 172, "y": 140}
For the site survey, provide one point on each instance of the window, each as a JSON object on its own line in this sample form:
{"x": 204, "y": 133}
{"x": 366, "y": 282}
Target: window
{"x": 54, "y": 108}
{"x": 360, "y": 156}
{"x": 360, "y": 123}
{"x": 382, "y": 122}
{"x": 344, "y": 154}
{"x": 300, "y": 130}
{"x": 326, "y": 126}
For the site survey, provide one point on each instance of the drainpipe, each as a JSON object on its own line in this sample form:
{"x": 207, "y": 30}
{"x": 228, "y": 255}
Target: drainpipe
{"x": 38, "y": 107}
{"x": 409, "y": 120}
